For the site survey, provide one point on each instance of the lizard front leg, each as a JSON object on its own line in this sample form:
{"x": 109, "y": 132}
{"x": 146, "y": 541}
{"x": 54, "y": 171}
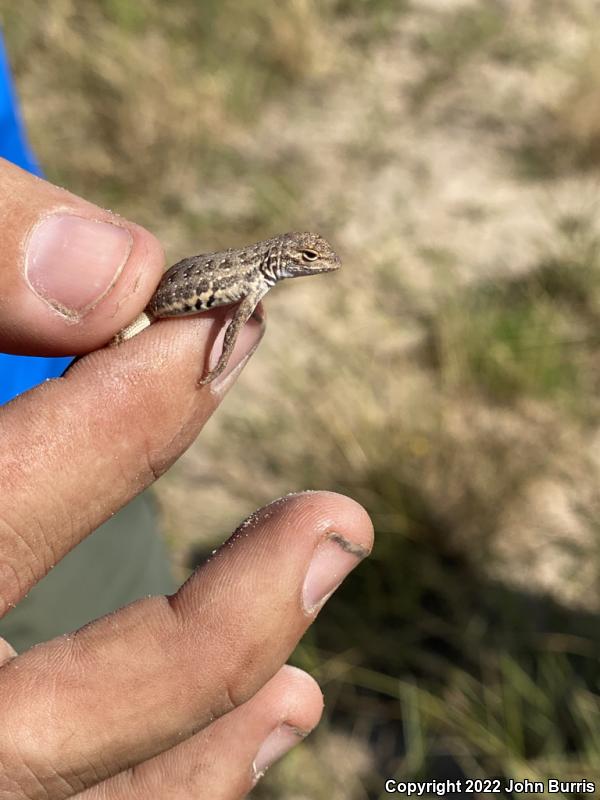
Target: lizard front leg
{"x": 243, "y": 313}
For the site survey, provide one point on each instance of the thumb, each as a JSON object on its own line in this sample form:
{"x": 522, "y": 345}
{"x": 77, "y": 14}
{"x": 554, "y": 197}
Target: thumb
{"x": 71, "y": 274}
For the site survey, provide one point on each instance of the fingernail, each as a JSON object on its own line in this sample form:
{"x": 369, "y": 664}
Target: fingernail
{"x": 72, "y": 262}
{"x": 247, "y": 342}
{"x": 277, "y": 744}
{"x": 333, "y": 559}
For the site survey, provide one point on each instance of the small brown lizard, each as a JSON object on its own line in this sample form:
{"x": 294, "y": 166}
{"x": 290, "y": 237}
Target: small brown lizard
{"x": 209, "y": 280}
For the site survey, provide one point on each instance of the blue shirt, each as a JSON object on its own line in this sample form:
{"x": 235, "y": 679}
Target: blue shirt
{"x": 19, "y": 373}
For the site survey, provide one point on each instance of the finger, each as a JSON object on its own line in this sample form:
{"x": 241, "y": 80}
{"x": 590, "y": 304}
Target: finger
{"x": 227, "y": 758}
{"x": 139, "y": 681}
{"x": 76, "y": 449}
{"x": 71, "y": 274}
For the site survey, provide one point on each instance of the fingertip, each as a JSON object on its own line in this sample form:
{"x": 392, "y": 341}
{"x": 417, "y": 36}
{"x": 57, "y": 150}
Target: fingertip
{"x": 297, "y": 709}
{"x": 304, "y": 697}
{"x": 329, "y": 512}
{"x": 72, "y": 274}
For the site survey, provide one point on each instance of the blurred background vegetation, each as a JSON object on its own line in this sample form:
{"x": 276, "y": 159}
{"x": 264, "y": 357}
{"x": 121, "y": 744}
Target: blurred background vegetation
{"x": 447, "y": 378}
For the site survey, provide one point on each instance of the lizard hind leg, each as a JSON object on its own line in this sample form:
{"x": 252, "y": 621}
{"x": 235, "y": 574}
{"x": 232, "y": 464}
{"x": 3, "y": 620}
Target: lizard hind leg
{"x": 242, "y": 314}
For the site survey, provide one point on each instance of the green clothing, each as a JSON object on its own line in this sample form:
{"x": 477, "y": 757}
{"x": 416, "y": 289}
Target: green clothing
{"x": 123, "y": 560}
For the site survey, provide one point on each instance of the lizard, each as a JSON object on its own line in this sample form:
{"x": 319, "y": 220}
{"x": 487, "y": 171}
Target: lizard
{"x": 242, "y": 276}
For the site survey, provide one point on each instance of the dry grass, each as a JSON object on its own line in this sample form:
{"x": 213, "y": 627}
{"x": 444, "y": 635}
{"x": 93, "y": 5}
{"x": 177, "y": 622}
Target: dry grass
{"x": 447, "y": 377}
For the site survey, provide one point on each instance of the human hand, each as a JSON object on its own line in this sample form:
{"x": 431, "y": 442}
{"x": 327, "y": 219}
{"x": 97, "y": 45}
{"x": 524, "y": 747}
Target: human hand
{"x": 170, "y": 697}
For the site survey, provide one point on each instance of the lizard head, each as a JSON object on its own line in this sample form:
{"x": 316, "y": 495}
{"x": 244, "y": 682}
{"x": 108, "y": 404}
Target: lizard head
{"x": 307, "y": 254}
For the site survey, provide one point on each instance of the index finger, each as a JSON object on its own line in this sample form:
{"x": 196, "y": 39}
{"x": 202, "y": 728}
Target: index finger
{"x": 76, "y": 449}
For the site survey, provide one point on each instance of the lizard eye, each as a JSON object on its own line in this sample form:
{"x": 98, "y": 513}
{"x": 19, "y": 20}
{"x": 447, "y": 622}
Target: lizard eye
{"x": 310, "y": 255}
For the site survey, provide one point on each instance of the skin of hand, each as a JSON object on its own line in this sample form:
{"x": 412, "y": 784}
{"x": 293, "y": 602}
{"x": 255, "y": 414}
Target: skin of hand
{"x": 185, "y": 696}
